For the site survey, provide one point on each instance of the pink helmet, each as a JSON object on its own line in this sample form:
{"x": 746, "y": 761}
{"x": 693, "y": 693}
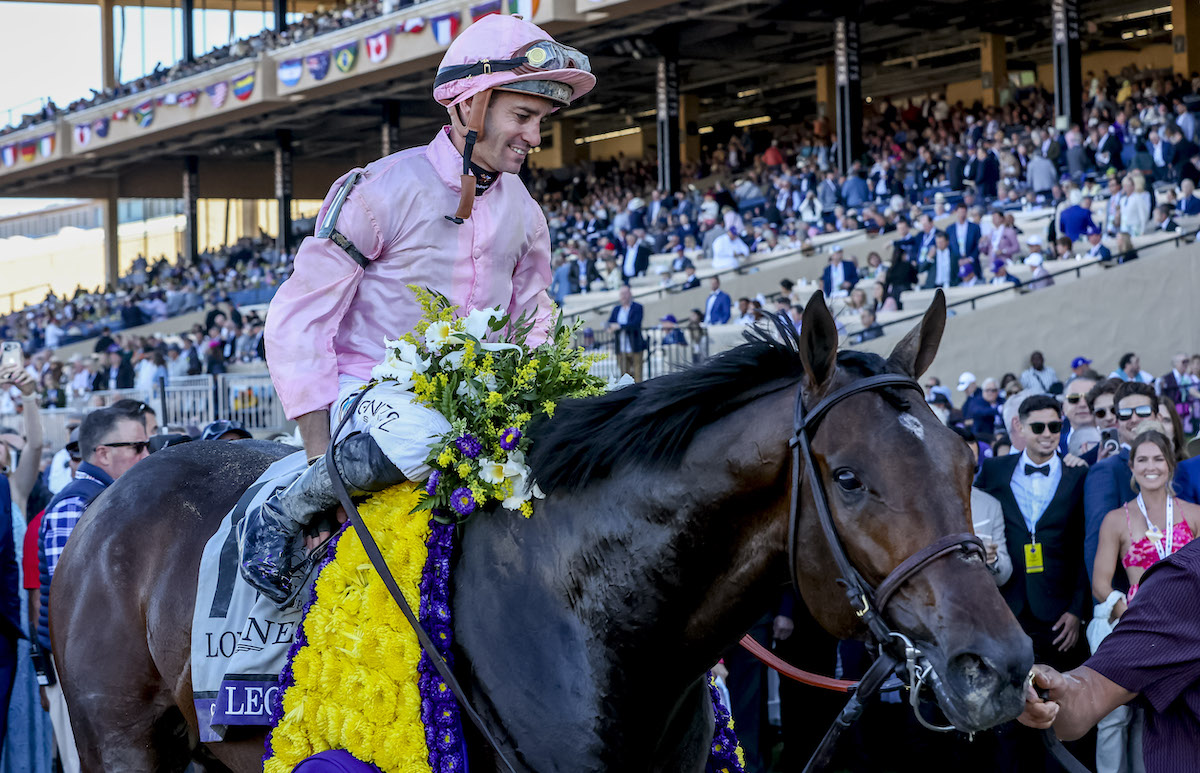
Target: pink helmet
{"x": 510, "y": 54}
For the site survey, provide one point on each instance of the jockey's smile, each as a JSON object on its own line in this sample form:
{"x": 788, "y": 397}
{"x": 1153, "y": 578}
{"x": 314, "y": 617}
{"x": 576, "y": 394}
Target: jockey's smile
{"x": 512, "y": 127}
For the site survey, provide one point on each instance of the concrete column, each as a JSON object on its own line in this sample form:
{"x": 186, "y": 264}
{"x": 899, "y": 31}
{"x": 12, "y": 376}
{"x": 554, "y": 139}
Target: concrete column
{"x": 281, "y": 9}
{"x": 1068, "y": 69}
{"x": 283, "y": 187}
{"x": 993, "y": 68}
{"x": 389, "y": 130}
{"x": 848, "y": 75}
{"x": 1185, "y": 35}
{"x": 564, "y": 133}
{"x": 689, "y": 128}
{"x": 667, "y": 92}
{"x": 112, "y": 269}
{"x": 191, "y": 209}
{"x": 108, "y": 60}
{"x": 826, "y": 91}
{"x": 187, "y": 9}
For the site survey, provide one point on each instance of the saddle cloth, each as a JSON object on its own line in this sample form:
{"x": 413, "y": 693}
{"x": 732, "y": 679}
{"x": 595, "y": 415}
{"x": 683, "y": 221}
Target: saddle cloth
{"x": 240, "y": 639}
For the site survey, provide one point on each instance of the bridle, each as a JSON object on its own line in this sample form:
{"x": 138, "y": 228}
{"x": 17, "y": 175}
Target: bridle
{"x": 869, "y": 603}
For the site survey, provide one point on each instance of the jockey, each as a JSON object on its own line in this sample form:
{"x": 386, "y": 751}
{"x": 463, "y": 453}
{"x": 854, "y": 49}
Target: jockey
{"x": 451, "y": 216}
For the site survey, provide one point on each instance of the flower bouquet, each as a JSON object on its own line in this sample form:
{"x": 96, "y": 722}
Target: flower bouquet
{"x": 478, "y": 373}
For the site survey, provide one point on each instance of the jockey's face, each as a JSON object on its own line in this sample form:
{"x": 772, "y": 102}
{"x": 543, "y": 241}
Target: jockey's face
{"x": 511, "y": 128}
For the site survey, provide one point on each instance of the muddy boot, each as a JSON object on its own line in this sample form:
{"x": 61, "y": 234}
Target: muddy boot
{"x": 271, "y": 536}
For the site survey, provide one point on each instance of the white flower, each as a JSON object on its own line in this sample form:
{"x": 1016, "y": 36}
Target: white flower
{"x": 620, "y": 383}
{"x": 409, "y": 353}
{"x": 514, "y": 502}
{"x": 490, "y": 347}
{"x": 479, "y": 322}
{"x": 437, "y": 335}
{"x": 453, "y": 360}
{"x": 490, "y": 383}
{"x": 491, "y": 471}
{"x": 396, "y": 369}
{"x": 536, "y": 491}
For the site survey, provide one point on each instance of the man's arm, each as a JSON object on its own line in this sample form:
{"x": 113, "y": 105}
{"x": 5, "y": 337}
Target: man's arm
{"x": 1075, "y": 701}
{"x": 1097, "y": 502}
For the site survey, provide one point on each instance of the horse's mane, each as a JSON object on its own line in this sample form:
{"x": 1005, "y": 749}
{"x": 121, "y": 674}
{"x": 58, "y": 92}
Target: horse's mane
{"x": 652, "y": 423}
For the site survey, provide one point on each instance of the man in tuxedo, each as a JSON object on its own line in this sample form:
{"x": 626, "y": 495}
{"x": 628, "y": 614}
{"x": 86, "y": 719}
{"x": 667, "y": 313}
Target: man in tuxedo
{"x": 840, "y": 276}
{"x": 941, "y": 264}
{"x": 1042, "y": 502}
{"x": 637, "y": 258}
{"x": 718, "y": 305}
{"x": 965, "y": 237}
{"x": 986, "y": 172}
{"x": 1163, "y": 154}
{"x": 956, "y": 169}
{"x": 625, "y": 323}
{"x": 1162, "y": 220}
{"x": 117, "y": 375}
{"x": 1108, "y": 481}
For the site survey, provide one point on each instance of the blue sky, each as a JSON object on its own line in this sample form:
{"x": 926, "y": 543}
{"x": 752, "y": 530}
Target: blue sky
{"x": 56, "y": 49}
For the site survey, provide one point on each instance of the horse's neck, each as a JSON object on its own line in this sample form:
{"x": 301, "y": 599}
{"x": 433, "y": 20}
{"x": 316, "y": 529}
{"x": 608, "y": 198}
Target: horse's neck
{"x": 615, "y": 601}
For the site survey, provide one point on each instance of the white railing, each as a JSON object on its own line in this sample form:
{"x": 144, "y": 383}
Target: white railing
{"x": 251, "y": 399}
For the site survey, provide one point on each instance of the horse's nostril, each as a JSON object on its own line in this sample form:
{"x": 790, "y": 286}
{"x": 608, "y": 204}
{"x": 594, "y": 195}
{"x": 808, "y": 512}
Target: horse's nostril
{"x": 971, "y": 676}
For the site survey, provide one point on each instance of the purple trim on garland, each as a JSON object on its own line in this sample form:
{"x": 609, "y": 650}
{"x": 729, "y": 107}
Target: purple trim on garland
{"x": 723, "y": 753}
{"x": 439, "y": 709}
{"x": 286, "y": 677}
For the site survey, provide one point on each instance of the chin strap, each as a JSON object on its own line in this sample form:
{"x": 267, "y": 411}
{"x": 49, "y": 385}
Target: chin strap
{"x": 466, "y": 197}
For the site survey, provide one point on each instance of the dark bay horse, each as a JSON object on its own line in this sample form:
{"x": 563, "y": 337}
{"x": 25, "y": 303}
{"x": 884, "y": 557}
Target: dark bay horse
{"x": 584, "y": 633}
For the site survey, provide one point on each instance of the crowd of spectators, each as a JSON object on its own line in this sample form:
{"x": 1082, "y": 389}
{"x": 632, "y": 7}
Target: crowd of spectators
{"x": 310, "y": 26}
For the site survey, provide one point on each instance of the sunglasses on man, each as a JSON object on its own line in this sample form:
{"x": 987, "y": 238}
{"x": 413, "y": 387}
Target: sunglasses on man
{"x": 1144, "y": 411}
{"x": 1039, "y": 427}
{"x": 1075, "y": 398}
{"x": 137, "y": 445}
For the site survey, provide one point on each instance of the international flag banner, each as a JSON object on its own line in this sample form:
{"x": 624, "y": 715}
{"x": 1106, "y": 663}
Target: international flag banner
{"x": 187, "y": 98}
{"x": 243, "y": 86}
{"x": 217, "y": 92}
{"x": 487, "y": 9}
{"x": 46, "y": 145}
{"x": 83, "y": 134}
{"x": 526, "y": 9}
{"x": 169, "y": 99}
{"x": 318, "y": 65}
{"x": 9, "y": 154}
{"x": 445, "y": 28}
{"x": 144, "y": 114}
{"x": 377, "y": 46}
{"x": 412, "y": 26}
{"x": 100, "y": 127}
{"x": 121, "y": 114}
{"x": 290, "y": 72}
{"x": 28, "y": 151}
{"x": 346, "y": 56}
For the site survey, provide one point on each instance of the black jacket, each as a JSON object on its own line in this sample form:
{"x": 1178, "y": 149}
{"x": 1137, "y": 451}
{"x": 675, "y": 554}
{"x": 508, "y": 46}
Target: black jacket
{"x": 101, "y": 380}
{"x": 1063, "y": 585}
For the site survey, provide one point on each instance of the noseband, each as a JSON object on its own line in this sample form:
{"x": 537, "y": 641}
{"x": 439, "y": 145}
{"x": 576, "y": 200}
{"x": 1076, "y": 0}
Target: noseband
{"x": 868, "y": 603}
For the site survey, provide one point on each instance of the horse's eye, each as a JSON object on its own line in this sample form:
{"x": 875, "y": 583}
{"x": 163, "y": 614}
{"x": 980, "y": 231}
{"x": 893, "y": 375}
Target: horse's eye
{"x": 847, "y": 480}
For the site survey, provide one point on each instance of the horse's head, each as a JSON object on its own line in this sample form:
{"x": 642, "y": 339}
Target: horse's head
{"x": 897, "y": 479}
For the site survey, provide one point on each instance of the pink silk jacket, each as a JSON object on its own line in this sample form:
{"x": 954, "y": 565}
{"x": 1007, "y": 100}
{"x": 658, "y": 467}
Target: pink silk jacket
{"x": 331, "y": 316}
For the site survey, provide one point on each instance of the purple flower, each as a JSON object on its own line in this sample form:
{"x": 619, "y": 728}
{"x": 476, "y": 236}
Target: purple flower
{"x": 509, "y": 438}
{"x": 431, "y": 484}
{"x": 469, "y": 446}
{"x": 461, "y": 499}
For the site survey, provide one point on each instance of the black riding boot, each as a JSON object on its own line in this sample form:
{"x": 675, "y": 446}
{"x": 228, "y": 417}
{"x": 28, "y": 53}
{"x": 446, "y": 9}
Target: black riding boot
{"x": 271, "y": 541}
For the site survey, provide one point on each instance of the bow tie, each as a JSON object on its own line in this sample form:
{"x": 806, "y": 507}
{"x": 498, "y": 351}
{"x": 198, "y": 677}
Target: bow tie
{"x": 1044, "y": 470}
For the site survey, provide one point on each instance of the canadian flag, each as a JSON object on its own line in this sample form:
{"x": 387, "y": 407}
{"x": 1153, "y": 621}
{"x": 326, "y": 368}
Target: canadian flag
{"x": 377, "y": 46}
{"x": 413, "y": 26}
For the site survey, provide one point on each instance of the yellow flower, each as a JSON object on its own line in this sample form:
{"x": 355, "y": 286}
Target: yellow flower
{"x": 494, "y": 399}
{"x": 446, "y": 457}
{"x": 527, "y": 509}
{"x": 464, "y": 470}
{"x": 548, "y": 407}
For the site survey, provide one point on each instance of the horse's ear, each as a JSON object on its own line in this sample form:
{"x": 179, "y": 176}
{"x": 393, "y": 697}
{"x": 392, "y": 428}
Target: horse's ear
{"x": 915, "y": 352}
{"x": 818, "y": 341}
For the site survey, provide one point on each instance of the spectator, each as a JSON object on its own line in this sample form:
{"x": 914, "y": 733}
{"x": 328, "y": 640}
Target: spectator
{"x": 117, "y": 375}
{"x": 1076, "y": 413}
{"x": 840, "y": 276}
{"x": 964, "y": 238}
{"x": 1130, "y": 369}
{"x": 982, "y": 410}
{"x": 1096, "y": 249}
{"x": 718, "y": 305}
{"x": 1162, "y": 222}
{"x": 1188, "y": 203}
{"x": 1039, "y": 278}
{"x": 1108, "y": 481}
{"x": 1134, "y": 211}
{"x": 225, "y": 429}
{"x": 110, "y": 443}
{"x": 729, "y": 250}
{"x": 987, "y": 521}
{"x": 1076, "y": 219}
{"x": 1039, "y": 377}
{"x": 625, "y": 323}
{"x": 636, "y": 259}
{"x": 1001, "y": 243}
{"x": 942, "y": 266}
{"x": 870, "y": 328}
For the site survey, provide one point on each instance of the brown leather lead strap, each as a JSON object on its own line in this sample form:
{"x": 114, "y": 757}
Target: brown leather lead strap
{"x": 773, "y": 661}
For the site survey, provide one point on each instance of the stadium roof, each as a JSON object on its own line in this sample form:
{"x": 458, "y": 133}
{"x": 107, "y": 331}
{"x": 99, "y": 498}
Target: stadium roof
{"x": 739, "y": 57}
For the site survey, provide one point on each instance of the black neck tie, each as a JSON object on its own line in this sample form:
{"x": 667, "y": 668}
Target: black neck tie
{"x": 1044, "y": 470}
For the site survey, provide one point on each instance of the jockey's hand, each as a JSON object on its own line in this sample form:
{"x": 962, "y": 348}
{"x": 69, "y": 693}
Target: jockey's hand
{"x": 323, "y": 532}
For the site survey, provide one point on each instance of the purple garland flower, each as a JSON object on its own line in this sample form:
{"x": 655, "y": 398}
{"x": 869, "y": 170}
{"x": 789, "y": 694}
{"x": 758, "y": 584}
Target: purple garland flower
{"x": 462, "y": 501}
{"x": 431, "y": 484}
{"x": 439, "y": 710}
{"x": 723, "y": 754}
{"x": 469, "y": 446}
{"x": 510, "y": 438}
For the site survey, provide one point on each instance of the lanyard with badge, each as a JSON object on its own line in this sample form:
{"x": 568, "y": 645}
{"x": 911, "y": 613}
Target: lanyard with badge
{"x": 1163, "y": 544}
{"x": 1034, "y": 561}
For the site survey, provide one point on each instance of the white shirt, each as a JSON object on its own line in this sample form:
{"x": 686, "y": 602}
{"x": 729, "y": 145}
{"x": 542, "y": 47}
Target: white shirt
{"x": 960, "y": 230}
{"x": 630, "y": 265}
{"x": 726, "y": 251}
{"x": 837, "y": 276}
{"x": 1034, "y": 492}
{"x": 942, "y": 268}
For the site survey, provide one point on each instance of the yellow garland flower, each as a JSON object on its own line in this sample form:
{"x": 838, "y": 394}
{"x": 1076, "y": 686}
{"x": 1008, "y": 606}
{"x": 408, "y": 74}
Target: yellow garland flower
{"x": 356, "y": 681}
